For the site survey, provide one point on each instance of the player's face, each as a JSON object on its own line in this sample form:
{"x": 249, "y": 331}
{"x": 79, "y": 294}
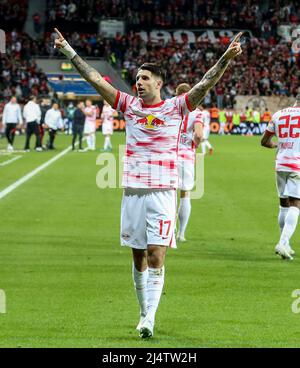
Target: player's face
{"x": 88, "y": 103}
{"x": 147, "y": 85}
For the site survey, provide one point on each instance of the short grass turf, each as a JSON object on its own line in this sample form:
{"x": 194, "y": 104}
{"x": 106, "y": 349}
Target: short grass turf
{"x": 68, "y": 282}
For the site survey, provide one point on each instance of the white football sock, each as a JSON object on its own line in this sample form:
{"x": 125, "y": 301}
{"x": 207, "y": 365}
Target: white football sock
{"x": 140, "y": 284}
{"x": 281, "y": 217}
{"x": 184, "y": 212}
{"x": 156, "y": 277}
{"x": 93, "y": 141}
{"x": 88, "y": 141}
{"x": 106, "y": 142}
{"x": 203, "y": 147}
{"x": 208, "y": 144}
{"x": 290, "y": 225}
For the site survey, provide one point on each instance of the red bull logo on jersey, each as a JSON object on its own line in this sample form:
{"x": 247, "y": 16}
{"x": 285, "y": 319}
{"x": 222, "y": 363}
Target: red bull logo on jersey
{"x": 150, "y": 122}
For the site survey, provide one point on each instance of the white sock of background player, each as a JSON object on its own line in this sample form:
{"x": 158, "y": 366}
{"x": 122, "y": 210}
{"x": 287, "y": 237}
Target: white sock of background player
{"x": 184, "y": 212}
{"x": 281, "y": 217}
{"x": 93, "y": 141}
{"x": 290, "y": 225}
{"x": 208, "y": 144}
{"x": 106, "y": 142}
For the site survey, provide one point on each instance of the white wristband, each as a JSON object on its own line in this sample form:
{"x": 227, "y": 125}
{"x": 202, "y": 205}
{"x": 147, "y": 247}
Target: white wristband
{"x": 67, "y": 50}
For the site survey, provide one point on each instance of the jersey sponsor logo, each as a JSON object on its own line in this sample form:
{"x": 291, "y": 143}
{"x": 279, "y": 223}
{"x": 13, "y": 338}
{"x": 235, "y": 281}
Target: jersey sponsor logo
{"x": 125, "y": 236}
{"x": 151, "y": 122}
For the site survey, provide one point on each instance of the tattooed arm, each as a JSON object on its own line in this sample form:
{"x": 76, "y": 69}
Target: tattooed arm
{"x": 105, "y": 89}
{"x": 198, "y": 92}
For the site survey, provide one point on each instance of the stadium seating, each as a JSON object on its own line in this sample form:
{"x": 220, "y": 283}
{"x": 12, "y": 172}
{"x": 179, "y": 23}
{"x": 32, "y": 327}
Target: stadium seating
{"x": 13, "y": 14}
{"x": 267, "y": 66}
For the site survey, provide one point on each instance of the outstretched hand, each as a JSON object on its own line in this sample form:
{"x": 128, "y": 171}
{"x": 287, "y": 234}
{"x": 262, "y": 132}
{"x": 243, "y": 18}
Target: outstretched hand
{"x": 58, "y": 43}
{"x": 234, "y": 49}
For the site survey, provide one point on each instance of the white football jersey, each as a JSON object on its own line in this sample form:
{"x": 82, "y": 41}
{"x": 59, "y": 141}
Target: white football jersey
{"x": 187, "y": 147}
{"x": 152, "y": 137}
{"x": 107, "y": 114}
{"x": 205, "y": 118}
{"x": 285, "y": 124}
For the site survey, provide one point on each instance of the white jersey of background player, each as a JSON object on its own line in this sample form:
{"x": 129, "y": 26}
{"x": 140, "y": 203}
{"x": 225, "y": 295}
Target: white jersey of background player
{"x": 285, "y": 124}
{"x": 147, "y": 116}
{"x": 206, "y": 130}
{"x": 107, "y": 117}
{"x": 90, "y": 125}
{"x": 190, "y": 137}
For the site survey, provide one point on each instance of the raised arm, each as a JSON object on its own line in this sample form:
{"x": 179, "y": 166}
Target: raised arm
{"x": 106, "y": 90}
{"x": 198, "y": 92}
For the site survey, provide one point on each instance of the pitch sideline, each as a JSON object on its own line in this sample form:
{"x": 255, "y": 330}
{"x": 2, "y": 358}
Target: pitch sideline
{"x": 7, "y": 162}
{"x": 28, "y": 176}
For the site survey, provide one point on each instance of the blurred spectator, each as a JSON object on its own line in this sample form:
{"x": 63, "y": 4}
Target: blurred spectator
{"x": 37, "y": 23}
{"x": 11, "y": 118}
{"x": 32, "y": 116}
{"x": 53, "y": 121}
{"x": 13, "y": 14}
{"x": 19, "y": 74}
{"x": 78, "y": 125}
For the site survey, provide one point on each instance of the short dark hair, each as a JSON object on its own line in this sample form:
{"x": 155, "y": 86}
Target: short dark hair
{"x": 155, "y": 69}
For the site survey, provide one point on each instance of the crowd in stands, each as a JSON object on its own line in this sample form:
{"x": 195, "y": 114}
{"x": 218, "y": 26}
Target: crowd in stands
{"x": 19, "y": 74}
{"x": 266, "y": 67}
{"x": 13, "y": 14}
{"x": 149, "y": 14}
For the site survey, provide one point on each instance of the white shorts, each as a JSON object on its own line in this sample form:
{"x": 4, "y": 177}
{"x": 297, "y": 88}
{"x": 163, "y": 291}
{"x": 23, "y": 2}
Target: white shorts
{"x": 89, "y": 128}
{"x": 148, "y": 217}
{"x": 107, "y": 128}
{"x": 206, "y": 132}
{"x": 288, "y": 184}
{"x": 186, "y": 171}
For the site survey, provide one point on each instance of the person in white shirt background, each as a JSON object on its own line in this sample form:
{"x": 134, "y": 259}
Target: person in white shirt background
{"x": 32, "y": 116}
{"x": 90, "y": 125}
{"x": 206, "y": 130}
{"x": 53, "y": 121}
{"x": 107, "y": 117}
{"x": 11, "y": 119}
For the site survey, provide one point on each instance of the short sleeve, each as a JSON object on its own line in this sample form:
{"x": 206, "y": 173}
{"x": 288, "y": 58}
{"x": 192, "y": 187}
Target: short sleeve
{"x": 198, "y": 119}
{"x": 123, "y": 100}
{"x": 183, "y": 104}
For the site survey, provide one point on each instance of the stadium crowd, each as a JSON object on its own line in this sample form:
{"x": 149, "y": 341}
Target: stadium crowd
{"x": 267, "y": 67}
{"x": 149, "y": 14}
{"x": 13, "y": 14}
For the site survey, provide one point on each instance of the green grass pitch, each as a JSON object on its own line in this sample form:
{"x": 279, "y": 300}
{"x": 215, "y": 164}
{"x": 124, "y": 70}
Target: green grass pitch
{"x": 68, "y": 282}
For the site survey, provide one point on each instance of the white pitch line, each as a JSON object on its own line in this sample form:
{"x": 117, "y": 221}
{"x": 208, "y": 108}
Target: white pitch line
{"x": 7, "y": 162}
{"x": 28, "y": 176}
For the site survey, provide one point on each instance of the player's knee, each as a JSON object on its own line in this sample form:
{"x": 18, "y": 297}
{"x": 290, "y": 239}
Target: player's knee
{"x": 184, "y": 194}
{"x": 156, "y": 257}
{"x": 284, "y": 202}
{"x": 140, "y": 260}
{"x": 294, "y": 202}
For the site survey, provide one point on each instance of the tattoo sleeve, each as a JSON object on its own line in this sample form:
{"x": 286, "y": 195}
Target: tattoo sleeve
{"x": 198, "y": 92}
{"x": 106, "y": 90}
